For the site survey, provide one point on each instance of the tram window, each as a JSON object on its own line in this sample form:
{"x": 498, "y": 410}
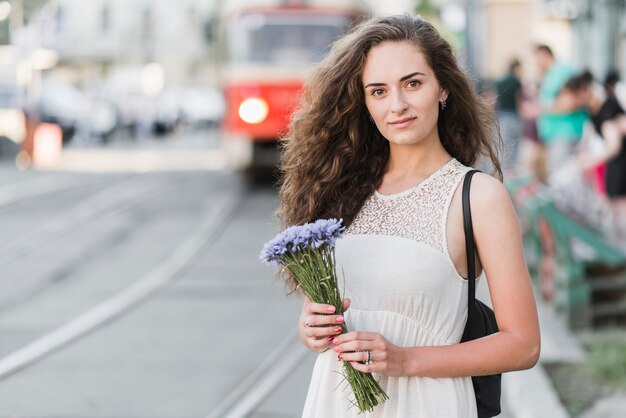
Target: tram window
{"x": 284, "y": 40}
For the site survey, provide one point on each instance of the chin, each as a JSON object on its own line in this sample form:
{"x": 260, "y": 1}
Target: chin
{"x": 403, "y": 139}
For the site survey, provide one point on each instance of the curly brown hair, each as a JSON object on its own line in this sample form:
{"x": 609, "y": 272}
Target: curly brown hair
{"x": 333, "y": 158}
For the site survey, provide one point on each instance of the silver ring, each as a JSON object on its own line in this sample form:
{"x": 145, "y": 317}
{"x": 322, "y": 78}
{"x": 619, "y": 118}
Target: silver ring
{"x": 307, "y": 324}
{"x": 369, "y": 357}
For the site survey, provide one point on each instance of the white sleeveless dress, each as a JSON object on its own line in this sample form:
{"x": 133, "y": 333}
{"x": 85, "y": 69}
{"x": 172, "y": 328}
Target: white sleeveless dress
{"x": 402, "y": 284}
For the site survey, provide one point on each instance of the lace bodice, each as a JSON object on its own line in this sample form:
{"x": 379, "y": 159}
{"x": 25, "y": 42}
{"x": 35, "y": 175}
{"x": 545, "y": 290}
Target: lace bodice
{"x": 418, "y": 213}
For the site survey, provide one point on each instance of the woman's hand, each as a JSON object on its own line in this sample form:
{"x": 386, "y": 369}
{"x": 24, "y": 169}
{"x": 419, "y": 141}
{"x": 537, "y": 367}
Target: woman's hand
{"x": 319, "y": 324}
{"x": 359, "y": 347}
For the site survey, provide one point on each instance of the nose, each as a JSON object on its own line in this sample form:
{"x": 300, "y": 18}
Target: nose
{"x": 398, "y": 103}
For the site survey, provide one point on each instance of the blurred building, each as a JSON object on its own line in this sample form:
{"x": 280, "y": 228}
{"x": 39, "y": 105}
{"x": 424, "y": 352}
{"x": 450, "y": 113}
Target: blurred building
{"x": 589, "y": 33}
{"x": 381, "y": 7}
{"x": 600, "y": 35}
{"x": 513, "y": 27}
{"x": 94, "y": 36}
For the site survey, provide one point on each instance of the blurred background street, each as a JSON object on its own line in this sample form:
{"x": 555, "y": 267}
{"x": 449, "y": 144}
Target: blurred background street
{"x": 138, "y": 142}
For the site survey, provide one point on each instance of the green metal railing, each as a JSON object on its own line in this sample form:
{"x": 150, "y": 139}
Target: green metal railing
{"x": 576, "y": 251}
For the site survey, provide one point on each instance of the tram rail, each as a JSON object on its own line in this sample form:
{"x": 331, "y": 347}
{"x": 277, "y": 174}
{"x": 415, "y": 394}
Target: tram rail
{"x": 260, "y": 384}
{"x": 219, "y": 214}
{"x": 36, "y": 187}
{"x": 111, "y": 200}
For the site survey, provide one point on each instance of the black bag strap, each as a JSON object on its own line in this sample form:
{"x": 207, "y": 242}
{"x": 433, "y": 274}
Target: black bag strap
{"x": 469, "y": 244}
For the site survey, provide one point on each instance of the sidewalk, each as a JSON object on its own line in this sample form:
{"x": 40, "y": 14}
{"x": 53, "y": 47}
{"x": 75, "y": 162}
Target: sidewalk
{"x": 529, "y": 393}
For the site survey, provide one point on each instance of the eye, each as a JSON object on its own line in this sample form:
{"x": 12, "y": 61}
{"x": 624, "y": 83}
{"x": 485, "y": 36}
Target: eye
{"x": 413, "y": 83}
{"x": 377, "y": 92}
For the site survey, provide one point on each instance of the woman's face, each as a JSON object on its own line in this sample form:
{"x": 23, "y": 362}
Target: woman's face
{"x": 402, "y": 94}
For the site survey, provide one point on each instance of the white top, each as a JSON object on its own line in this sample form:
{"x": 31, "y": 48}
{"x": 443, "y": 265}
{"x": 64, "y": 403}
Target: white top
{"x": 402, "y": 284}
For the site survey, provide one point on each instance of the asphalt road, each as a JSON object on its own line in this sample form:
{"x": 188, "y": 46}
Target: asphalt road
{"x": 138, "y": 293}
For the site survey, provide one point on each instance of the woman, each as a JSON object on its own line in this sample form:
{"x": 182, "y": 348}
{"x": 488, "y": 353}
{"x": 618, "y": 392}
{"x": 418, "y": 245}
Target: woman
{"x": 384, "y": 135}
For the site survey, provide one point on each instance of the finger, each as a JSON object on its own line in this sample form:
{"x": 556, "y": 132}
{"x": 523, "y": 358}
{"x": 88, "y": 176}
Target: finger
{"x": 323, "y": 332}
{"x": 345, "y": 304}
{"x": 356, "y": 335}
{"x": 319, "y": 345}
{"x": 373, "y": 367}
{"x": 358, "y": 345}
{"x": 357, "y": 356}
{"x": 320, "y": 308}
{"x": 322, "y": 320}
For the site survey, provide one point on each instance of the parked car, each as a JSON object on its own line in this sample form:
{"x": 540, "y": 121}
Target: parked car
{"x": 76, "y": 113}
{"x": 167, "y": 113}
{"x": 202, "y": 107}
{"x": 136, "y": 113}
{"x": 197, "y": 108}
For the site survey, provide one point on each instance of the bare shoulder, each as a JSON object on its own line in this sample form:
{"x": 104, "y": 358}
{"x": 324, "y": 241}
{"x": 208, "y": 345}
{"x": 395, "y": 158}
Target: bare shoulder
{"x": 487, "y": 191}
{"x": 491, "y": 204}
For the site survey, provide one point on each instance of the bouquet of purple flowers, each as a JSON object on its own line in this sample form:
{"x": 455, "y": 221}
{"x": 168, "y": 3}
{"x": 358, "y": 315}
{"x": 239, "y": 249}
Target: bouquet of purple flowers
{"x": 308, "y": 253}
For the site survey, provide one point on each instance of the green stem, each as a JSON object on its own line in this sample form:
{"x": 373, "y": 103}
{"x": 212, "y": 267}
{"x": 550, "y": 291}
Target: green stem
{"x": 317, "y": 276}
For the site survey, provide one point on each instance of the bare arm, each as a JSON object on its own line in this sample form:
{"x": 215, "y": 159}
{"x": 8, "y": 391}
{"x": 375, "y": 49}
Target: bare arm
{"x": 621, "y": 123}
{"x": 613, "y": 132}
{"x": 499, "y": 244}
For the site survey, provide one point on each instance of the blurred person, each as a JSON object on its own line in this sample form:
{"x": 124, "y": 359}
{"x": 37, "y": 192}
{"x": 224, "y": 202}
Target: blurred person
{"x": 582, "y": 92}
{"x": 572, "y": 186}
{"x": 609, "y": 121}
{"x": 559, "y": 130}
{"x": 576, "y": 93}
{"x": 385, "y": 148}
{"x": 531, "y": 152}
{"x": 509, "y": 90}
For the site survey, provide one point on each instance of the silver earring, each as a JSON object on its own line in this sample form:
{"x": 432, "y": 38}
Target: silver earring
{"x": 370, "y": 118}
{"x": 443, "y": 104}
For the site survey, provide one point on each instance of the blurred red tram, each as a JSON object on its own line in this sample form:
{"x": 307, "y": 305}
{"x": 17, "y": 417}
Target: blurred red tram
{"x": 265, "y": 50}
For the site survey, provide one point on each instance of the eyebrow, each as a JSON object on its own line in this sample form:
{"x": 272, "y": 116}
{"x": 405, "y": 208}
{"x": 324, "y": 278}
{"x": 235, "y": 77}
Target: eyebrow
{"x": 406, "y": 77}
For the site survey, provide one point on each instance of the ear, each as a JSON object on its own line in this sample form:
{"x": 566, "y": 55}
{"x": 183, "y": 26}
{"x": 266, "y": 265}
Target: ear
{"x": 443, "y": 95}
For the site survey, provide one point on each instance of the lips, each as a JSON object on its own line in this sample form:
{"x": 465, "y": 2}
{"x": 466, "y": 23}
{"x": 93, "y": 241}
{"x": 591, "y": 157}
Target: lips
{"x": 403, "y": 121}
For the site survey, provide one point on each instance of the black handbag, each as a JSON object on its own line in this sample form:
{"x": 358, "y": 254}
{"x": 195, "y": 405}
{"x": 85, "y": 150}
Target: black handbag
{"x": 481, "y": 320}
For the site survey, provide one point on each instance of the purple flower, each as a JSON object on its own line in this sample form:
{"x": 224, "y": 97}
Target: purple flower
{"x": 329, "y": 229}
{"x": 299, "y": 237}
